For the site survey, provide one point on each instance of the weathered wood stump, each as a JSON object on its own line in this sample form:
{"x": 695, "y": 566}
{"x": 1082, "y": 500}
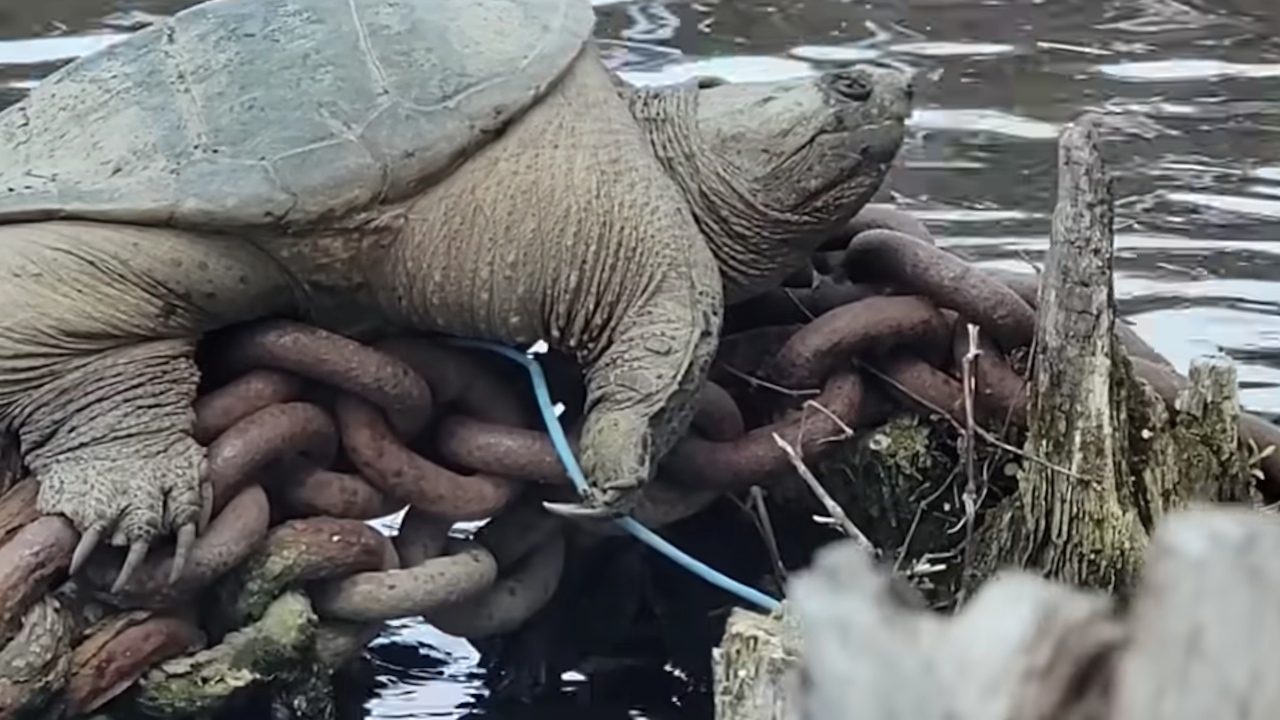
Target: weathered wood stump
{"x": 757, "y": 668}
{"x": 1106, "y": 458}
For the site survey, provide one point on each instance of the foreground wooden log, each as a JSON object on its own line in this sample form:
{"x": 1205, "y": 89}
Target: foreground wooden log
{"x": 757, "y": 667}
{"x": 1105, "y": 457}
{"x": 1198, "y": 641}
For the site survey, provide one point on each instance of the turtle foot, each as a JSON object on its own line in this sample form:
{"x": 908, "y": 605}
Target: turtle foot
{"x": 129, "y": 503}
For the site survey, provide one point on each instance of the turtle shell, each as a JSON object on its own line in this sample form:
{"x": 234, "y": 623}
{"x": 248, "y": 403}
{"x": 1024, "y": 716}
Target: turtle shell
{"x": 280, "y": 112}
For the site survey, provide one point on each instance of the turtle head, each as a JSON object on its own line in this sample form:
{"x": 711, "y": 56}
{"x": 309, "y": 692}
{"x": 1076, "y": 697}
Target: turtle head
{"x": 816, "y": 148}
{"x": 774, "y": 169}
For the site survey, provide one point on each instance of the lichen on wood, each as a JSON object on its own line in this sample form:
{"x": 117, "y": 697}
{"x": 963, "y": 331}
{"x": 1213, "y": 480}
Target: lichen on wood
{"x": 273, "y": 650}
{"x": 868, "y": 655}
{"x": 35, "y": 664}
{"x": 1204, "y": 637}
{"x": 1107, "y": 458}
{"x": 895, "y": 483}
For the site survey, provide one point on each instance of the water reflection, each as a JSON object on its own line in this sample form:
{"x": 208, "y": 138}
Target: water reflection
{"x": 1194, "y": 142}
{"x": 424, "y": 673}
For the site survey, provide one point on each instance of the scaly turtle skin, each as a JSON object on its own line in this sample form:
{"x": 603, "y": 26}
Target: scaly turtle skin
{"x": 772, "y": 170}
{"x": 459, "y": 166}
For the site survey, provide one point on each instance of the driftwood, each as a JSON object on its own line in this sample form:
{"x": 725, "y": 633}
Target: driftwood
{"x": 1194, "y": 644}
{"x": 756, "y": 668}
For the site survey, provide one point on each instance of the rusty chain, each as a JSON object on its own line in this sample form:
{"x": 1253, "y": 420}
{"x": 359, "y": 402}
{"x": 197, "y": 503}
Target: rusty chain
{"x": 311, "y": 434}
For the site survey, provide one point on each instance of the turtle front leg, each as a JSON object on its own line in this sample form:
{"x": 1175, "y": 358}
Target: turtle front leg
{"x": 641, "y": 392}
{"x": 97, "y": 370}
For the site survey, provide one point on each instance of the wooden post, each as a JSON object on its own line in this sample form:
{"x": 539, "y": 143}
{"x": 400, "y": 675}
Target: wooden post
{"x": 1203, "y": 630}
{"x": 868, "y": 656}
{"x": 1106, "y": 457}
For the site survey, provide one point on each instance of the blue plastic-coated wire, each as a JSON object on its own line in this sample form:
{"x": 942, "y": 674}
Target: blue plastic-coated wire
{"x": 630, "y": 524}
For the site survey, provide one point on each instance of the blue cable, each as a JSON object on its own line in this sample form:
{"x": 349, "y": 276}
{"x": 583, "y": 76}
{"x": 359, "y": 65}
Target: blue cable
{"x": 630, "y": 524}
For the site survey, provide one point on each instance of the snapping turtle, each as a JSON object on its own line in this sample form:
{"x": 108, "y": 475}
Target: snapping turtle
{"x": 467, "y": 167}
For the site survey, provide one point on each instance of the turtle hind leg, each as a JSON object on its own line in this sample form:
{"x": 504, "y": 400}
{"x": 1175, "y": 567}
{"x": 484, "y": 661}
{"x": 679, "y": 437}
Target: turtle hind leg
{"x": 110, "y": 445}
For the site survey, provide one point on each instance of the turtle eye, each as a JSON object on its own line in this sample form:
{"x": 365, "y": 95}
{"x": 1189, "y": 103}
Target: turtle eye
{"x": 707, "y": 81}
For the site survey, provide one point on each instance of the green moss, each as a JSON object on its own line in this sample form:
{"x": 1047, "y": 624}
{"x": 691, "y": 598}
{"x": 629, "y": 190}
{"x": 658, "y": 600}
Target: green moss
{"x": 1092, "y": 529}
{"x": 273, "y": 650}
{"x": 891, "y": 481}
{"x": 902, "y": 448}
{"x": 873, "y": 472}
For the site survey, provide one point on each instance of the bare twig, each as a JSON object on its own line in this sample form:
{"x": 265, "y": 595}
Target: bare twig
{"x": 915, "y": 520}
{"x": 1024, "y": 257}
{"x": 844, "y": 427}
{"x": 833, "y": 508}
{"x": 758, "y": 382}
{"x": 792, "y": 297}
{"x": 969, "y": 382}
{"x": 755, "y": 509}
{"x": 766, "y": 531}
{"x": 845, "y": 433}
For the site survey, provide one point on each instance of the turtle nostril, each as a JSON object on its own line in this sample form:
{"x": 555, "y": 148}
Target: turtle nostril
{"x": 851, "y": 87}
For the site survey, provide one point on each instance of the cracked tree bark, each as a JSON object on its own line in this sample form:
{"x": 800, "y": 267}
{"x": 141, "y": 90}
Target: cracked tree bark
{"x": 1108, "y": 456}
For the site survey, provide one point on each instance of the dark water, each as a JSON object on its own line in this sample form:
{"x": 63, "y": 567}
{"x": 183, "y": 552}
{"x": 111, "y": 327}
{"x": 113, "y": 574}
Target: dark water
{"x": 1191, "y": 87}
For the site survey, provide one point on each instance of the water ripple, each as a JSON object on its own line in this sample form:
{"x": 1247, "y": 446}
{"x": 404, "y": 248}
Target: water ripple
{"x": 1187, "y": 70}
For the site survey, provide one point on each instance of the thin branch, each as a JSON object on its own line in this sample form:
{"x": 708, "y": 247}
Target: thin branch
{"x": 792, "y": 297}
{"x": 969, "y": 384}
{"x": 915, "y": 520}
{"x": 844, "y": 427}
{"x": 766, "y": 531}
{"x": 753, "y": 380}
{"x": 833, "y": 508}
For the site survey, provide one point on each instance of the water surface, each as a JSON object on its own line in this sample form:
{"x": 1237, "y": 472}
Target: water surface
{"x": 1194, "y": 145}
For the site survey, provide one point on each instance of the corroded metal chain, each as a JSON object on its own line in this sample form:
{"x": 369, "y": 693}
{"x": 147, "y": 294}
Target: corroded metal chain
{"x": 310, "y": 435}
{"x": 893, "y": 304}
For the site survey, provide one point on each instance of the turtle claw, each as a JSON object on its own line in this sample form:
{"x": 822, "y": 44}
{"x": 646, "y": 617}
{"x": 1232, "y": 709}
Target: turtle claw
{"x": 181, "y": 551}
{"x": 583, "y": 511}
{"x": 129, "y": 502}
{"x": 89, "y": 540}
{"x": 609, "y": 504}
{"x": 206, "y": 507}
{"x": 137, "y": 553}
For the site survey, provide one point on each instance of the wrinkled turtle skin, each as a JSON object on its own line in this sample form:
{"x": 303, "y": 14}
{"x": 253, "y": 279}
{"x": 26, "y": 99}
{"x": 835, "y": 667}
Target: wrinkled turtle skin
{"x": 467, "y": 167}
